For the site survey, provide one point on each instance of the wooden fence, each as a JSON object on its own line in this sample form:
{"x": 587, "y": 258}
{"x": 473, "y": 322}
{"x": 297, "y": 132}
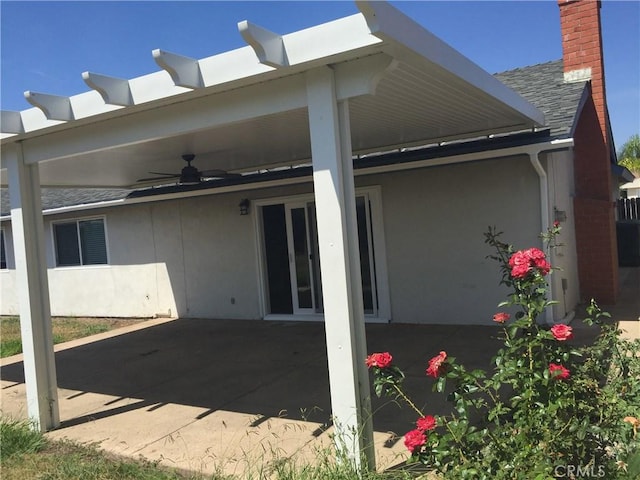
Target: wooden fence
{"x": 629, "y": 209}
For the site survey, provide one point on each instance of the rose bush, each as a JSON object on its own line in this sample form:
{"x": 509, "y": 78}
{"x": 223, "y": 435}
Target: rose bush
{"x": 547, "y": 404}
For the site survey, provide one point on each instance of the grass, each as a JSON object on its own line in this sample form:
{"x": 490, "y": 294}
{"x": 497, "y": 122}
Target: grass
{"x": 64, "y": 330}
{"x": 26, "y": 454}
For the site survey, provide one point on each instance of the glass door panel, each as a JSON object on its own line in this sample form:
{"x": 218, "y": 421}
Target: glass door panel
{"x": 300, "y": 263}
{"x": 367, "y": 265}
{"x": 293, "y": 257}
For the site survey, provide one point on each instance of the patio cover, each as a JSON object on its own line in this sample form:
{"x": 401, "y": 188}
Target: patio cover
{"x": 369, "y": 82}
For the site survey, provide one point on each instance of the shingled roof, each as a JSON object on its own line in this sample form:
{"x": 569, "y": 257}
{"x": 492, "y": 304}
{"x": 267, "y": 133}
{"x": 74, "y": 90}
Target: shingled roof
{"x": 543, "y": 85}
{"x": 67, "y": 197}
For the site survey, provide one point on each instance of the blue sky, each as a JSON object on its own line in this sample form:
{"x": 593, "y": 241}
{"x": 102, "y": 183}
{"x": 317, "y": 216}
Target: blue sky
{"x": 45, "y": 46}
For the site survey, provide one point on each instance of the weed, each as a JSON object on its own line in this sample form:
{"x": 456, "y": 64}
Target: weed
{"x": 17, "y": 437}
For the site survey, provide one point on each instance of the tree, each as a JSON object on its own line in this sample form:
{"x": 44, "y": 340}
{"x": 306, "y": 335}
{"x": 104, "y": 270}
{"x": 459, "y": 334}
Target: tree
{"x": 629, "y": 155}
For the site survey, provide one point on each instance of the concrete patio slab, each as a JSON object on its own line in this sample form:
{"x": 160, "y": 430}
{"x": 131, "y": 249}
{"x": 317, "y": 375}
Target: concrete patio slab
{"x": 232, "y": 396}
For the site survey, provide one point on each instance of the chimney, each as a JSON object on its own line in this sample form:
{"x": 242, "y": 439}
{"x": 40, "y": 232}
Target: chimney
{"x": 582, "y": 51}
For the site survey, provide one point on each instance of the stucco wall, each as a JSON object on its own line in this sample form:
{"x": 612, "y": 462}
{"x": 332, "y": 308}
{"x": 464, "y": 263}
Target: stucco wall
{"x": 197, "y": 257}
{"x": 434, "y": 224}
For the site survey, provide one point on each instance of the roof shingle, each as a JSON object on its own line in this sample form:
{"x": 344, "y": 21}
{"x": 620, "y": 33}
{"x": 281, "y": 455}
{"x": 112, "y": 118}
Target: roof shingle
{"x": 543, "y": 85}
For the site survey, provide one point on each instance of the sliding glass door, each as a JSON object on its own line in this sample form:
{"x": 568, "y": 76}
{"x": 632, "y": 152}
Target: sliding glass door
{"x": 293, "y": 276}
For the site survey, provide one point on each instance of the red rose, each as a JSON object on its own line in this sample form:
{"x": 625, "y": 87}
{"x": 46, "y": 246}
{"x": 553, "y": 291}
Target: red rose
{"x": 435, "y": 367}
{"x": 538, "y": 260}
{"x": 414, "y": 439}
{"x": 520, "y": 265}
{"x": 380, "y": 360}
{"x": 562, "y": 332}
{"x": 426, "y": 423}
{"x": 501, "y": 317}
{"x": 558, "y": 372}
{"x": 524, "y": 261}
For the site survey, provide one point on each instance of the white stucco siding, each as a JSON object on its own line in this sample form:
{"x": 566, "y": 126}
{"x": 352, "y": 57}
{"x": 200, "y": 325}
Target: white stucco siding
{"x": 8, "y": 293}
{"x": 221, "y": 274}
{"x": 114, "y": 291}
{"x": 434, "y": 224}
{"x": 198, "y": 257}
{"x": 135, "y": 283}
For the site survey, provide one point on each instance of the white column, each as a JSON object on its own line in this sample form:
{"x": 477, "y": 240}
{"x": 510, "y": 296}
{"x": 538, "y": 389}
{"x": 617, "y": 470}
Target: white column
{"x": 33, "y": 292}
{"x": 340, "y": 266}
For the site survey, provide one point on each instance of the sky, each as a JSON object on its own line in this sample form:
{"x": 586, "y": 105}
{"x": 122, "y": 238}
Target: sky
{"x": 45, "y": 46}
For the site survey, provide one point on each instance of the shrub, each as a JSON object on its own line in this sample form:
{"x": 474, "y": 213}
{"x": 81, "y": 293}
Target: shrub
{"x": 548, "y": 409}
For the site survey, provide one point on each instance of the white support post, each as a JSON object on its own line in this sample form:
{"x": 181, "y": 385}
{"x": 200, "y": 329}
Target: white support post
{"x": 33, "y": 292}
{"x": 340, "y": 265}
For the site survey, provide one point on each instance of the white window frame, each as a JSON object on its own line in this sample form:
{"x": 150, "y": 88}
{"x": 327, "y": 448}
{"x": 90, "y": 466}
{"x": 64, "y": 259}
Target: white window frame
{"x": 374, "y": 195}
{"x": 77, "y": 221}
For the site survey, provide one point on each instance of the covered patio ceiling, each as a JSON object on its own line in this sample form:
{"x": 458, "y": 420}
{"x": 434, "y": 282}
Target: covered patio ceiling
{"x": 246, "y": 109}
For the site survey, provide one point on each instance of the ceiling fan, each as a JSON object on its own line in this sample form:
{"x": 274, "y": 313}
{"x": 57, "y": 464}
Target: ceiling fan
{"x": 190, "y": 175}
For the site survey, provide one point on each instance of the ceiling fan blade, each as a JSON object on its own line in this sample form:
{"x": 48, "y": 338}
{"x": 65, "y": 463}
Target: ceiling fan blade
{"x": 165, "y": 174}
{"x": 162, "y": 176}
{"x": 218, "y": 174}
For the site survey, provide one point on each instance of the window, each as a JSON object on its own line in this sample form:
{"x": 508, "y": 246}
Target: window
{"x": 80, "y": 242}
{"x": 3, "y": 252}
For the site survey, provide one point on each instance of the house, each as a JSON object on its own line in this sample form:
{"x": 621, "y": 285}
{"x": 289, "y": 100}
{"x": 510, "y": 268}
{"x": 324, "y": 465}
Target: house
{"x": 631, "y": 189}
{"x": 333, "y": 195}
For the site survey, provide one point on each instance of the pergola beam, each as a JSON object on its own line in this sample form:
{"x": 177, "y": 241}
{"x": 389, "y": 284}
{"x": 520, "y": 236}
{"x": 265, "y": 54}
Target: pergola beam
{"x": 54, "y": 107}
{"x": 114, "y": 91}
{"x": 11, "y": 122}
{"x": 184, "y": 71}
{"x": 269, "y": 46}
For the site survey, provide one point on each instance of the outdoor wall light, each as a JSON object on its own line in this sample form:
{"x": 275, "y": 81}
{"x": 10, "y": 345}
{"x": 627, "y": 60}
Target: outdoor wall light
{"x": 244, "y": 206}
{"x": 559, "y": 215}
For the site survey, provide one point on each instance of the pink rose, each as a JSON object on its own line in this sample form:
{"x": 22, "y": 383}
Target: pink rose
{"x": 414, "y": 439}
{"x": 435, "y": 368}
{"x": 426, "y": 423}
{"x": 562, "y": 332}
{"x": 558, "y": 372}
{"x": 501, "y": 317}
{"x": 380, "y": 360}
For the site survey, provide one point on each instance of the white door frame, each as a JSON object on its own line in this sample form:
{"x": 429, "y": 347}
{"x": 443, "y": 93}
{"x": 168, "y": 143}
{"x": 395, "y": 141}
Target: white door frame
{"x": 377, "y": 254}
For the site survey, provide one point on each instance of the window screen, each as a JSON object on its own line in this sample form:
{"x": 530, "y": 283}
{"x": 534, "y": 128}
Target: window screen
{"x": 80, "y": 242}
{"x": 94, "y": 249}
